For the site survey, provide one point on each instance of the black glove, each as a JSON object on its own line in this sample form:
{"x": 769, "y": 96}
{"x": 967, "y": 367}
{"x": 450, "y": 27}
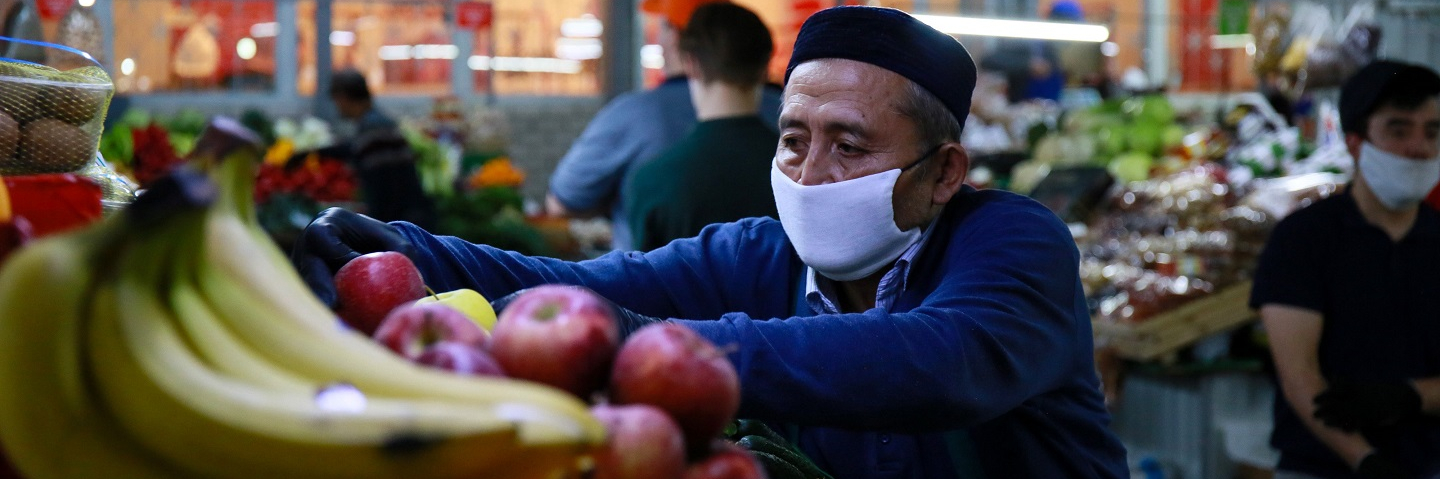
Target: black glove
{"x": 334, "y": 238}
{"x": 1350, "y": 405}
{"x": 1381, "y": 466}
{"x": 630, "y": 321}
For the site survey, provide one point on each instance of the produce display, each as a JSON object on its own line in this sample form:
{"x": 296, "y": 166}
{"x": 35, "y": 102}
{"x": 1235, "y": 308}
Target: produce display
{"x": 1129, "y": 137}
{"x": 194, "y": 350}
{"x": 1166, "y": 241}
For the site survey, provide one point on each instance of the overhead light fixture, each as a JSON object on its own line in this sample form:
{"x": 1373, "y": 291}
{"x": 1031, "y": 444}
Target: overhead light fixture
{"x": 245, "y": 48}
{"x": 587, "y": 26}
{"x": 87, "y": 3}
{"x": 524, "y": 64}
{"x": 264, "y": 30}
{"x": 342, "y": 38}
{"x": 993, "y": 27}
{"x": 1238, "y": 40}
{"x": 652, "y": 56}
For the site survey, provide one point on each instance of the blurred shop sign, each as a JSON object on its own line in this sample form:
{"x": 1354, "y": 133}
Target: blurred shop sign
{"x": 474, "y": 15}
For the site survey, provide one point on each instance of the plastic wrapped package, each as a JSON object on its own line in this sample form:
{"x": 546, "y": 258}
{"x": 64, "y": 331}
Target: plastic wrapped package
{"x": 51, "y": 114}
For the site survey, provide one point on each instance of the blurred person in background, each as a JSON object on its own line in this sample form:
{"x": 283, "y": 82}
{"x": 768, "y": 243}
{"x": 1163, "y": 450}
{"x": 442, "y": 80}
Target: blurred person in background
{"x": 632, "y": 129}
{"x": 718, "y": 173}
{"x": 1348, "y": 289}
{"x": 380, "y": 154}
{"x": 894, "y": 321}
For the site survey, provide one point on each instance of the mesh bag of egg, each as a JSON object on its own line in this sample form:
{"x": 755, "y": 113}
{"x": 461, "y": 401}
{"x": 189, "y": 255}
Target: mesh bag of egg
{"x": 51, "y": 118}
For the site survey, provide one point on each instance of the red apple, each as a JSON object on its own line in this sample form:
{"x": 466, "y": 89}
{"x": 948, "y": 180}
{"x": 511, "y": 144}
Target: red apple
{"x": 642, "y": 442}
{"x": 728, "y": 461}
{"x": 672, "y": 367}
{"x": 412, "y": 327}
{"x": 563, "y": 336}
{"x": 370, "y": 286}
{"x": 460, "y": 358}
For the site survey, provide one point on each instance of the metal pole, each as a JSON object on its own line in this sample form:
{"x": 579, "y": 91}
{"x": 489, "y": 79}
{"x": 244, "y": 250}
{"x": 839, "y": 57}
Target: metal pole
{"x": 623, "y": 32}
{"x": 287, "y": 56}
{"x": 320, "y": 102}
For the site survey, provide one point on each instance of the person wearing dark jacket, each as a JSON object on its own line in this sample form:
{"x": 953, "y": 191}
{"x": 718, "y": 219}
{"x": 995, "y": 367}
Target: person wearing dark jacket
{"x": 897, "y": 323}
{"x": 717, "y": 173}
{"x": 380, "y": 154}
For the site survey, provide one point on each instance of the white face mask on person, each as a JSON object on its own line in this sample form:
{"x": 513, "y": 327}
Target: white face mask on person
{"x": 845, "y": 230}
{"x": 1397, "y": 181}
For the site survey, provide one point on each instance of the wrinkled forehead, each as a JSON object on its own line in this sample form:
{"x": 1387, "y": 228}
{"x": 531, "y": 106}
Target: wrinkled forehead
{"x": 842, "y": 79}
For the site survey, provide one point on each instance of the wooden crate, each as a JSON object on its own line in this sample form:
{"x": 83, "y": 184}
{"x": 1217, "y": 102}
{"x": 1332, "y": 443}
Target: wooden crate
{"x": 1173, "y": 330}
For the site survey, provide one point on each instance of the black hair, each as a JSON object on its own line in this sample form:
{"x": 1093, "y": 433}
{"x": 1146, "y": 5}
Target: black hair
{"x": 1384, "y": 84}
{"x": 349, "y": 84}
{"x": 729, "y": 42}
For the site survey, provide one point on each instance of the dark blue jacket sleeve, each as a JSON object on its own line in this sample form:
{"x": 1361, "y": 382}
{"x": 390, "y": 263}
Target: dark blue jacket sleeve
{"x": 680, "y": 280}
{"x": 997, "y": 326}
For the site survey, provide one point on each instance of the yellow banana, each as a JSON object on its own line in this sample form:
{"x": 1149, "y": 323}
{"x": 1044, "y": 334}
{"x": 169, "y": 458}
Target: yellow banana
{"x": 224, "y": 352}
{"x": 292, "y": 336}
{"x": 245, "y": 278}
{"x": 214, "y": 426}
{"x": 49, "y": 424}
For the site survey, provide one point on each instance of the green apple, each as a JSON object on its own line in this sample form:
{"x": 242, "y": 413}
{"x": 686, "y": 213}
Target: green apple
{"x": 469, "y": 302}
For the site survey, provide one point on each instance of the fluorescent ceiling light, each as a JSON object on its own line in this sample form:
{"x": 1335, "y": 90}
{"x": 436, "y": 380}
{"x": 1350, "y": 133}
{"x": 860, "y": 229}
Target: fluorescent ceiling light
{"x": 578, "y": 48}
{"x": 342, "y": 38}
{"x": 991, "y": 27}
{"x": 652, "y": 56}
{"x": 1239, "y": 40}
{"x": 587, "y": 26}
{"x": 524, "y": 64}
{"x": 419, "y": 52}
{"x": 264, "y": 30}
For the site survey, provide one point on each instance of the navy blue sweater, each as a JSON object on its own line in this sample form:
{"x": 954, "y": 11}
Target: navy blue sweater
{"x": 991, "y": 337}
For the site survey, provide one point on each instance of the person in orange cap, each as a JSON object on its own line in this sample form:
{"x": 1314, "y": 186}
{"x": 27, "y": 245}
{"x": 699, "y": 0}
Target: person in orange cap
{"x": 632, "y": 129}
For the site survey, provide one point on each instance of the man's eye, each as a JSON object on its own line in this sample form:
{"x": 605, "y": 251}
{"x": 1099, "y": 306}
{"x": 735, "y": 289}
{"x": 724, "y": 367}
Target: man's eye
{"x": 847, "y": 149}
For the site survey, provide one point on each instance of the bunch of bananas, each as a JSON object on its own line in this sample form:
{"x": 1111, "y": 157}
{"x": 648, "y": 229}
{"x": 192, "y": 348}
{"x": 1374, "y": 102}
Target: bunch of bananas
{"x": 175, "y": 341}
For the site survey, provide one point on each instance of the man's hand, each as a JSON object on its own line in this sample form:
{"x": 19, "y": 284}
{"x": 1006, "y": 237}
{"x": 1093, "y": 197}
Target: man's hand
{"x": 334, "y": 238}
{"x": 1349, "y": 405}
{"x": 629, "y": 321}
{"x": 1380, "y": 466}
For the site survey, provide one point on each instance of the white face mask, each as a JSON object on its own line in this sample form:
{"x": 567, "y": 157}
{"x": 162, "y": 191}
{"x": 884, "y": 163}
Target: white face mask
{"x": 1397, "y": 181}
{"x": 845, "y": 230}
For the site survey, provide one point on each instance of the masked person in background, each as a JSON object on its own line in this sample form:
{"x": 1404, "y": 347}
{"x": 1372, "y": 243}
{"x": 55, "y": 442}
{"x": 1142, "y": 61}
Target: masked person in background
{"x": 899, "y": 323}
{"x": 1349, "y": 292}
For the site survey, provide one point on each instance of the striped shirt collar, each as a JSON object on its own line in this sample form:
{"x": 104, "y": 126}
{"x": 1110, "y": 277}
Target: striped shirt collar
{"x": 820, "y": 291}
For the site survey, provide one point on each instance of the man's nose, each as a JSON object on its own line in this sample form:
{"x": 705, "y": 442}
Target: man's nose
{"x": 815, "y": 169}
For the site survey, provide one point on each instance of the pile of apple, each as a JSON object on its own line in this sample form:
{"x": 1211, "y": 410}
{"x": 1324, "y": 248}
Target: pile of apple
{"x": 664, "y": 395}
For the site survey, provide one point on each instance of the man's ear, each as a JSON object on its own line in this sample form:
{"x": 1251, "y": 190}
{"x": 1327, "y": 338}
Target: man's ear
{"x": 1352, "y": 144}
{"x": 954, "y": 163}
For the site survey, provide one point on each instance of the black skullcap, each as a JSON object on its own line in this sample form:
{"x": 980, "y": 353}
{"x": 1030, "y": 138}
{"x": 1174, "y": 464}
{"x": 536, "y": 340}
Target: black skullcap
{"x": 1363, "y": 92}
{"x": 893, "y": 40}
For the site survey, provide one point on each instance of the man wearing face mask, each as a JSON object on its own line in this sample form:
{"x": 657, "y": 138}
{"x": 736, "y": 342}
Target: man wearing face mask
{"x": 895, "y": 322}
{"x": 1349, "y": 292}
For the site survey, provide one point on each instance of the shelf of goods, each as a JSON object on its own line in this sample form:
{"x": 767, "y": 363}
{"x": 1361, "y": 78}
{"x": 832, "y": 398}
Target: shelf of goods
{"x": 1172, "y": 330}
